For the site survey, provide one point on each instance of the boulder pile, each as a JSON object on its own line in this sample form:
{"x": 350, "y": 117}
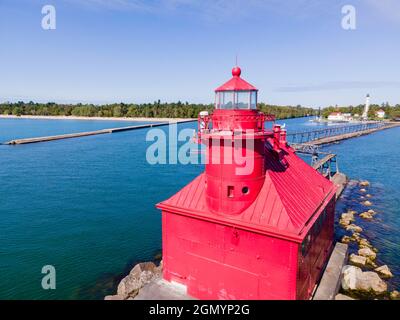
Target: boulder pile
{"x": 140, "y": 275}
{"x": 363, "y": 278}
{"x": 362, "y": 284}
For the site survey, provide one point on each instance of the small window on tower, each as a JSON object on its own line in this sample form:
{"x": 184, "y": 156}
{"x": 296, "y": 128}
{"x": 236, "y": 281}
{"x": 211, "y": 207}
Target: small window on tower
{"x": 231, "y": 190}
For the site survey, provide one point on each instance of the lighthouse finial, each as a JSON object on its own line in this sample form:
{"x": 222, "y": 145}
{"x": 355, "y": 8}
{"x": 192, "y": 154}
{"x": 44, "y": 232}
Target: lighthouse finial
{"x": 236, "y": 71}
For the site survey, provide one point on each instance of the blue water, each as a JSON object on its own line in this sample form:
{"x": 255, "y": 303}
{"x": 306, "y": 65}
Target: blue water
{"x": 86, "y": 206}
{"x": 375, "y": 158}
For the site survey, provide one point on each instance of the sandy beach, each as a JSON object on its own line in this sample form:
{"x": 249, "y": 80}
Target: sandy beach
{"x": 173, "y": 120}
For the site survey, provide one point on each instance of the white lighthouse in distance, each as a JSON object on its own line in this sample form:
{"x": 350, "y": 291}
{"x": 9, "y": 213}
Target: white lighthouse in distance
{"x": 366, "y": 108}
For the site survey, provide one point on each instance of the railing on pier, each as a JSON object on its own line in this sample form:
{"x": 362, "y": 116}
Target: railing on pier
{"x": 327, "y": 166}
{"x": 323, "y": 162}
{"x": 312, "y": 135}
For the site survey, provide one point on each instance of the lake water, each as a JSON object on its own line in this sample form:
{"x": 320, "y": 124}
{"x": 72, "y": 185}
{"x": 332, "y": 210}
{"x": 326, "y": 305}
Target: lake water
{"x": 86, "y": 206}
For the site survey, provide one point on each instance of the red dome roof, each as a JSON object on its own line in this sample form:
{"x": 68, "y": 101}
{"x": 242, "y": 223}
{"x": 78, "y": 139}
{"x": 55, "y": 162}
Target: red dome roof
{"x": 236, "y": 83}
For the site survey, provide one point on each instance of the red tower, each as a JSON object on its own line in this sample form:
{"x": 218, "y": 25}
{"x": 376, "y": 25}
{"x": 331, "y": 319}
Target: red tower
{"x": 258, "y": 223}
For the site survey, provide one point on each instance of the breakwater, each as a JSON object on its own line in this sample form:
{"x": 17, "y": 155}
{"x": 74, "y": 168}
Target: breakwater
{"x": 89, "y": 133}
{"x": 338, "y": 133}
{"x": 345, "y": 136}
{"x": 367, "y": 275}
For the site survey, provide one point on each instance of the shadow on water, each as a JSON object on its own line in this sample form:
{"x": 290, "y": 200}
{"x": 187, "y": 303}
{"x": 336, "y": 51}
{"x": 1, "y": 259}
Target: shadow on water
{"x": 107, "y": 283}
{"x": 378, "y": 231}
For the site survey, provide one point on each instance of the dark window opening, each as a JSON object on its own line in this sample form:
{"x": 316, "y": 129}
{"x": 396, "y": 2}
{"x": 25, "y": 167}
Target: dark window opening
{"x": 231, "y": 189}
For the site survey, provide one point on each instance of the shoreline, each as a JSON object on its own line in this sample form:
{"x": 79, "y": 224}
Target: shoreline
{"x": 97, "y": 118}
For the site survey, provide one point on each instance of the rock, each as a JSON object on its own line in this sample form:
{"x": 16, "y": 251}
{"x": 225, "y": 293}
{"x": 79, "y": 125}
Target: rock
{"x": 367, "y": 203}
{"x": 367, "y": 252}
{"x": 141, "y": 274}
{"x": 142, "y": 267}
{"x": 354, "y": 228}
{"x": 363, "y": 190}
{"x": 115, "y": 297}
{"x": 350, "y": 275}
{"x": 348, "y": 216}
{"x": 384, "y": 272}
{"x": 158, "y": 256}
{"x": 364, "y": 183}
{"x": 344, "y": 222}
{"x": 371, "y": 263}
{"x": 371, "y": 211}
{"x": 364, "y": 243}
{"x": 343, "y": 297}
{"x": 366, "y": 215}
{"x": 370, "y": 281}
{"x": 346, "y": 239}
{"x": 356, "y": 237}
{"x": 158, "y": 270}
{"x": 358, "y": 261}
{"x": 394, "y": 295}
{"x": 356, "y": 281}
{"x": 368, "y": 196}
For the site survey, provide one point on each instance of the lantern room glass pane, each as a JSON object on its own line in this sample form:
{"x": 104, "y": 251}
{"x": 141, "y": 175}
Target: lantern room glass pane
{"x": 253, "y": 100}
{"x": 242, "y": 100}
{"x": 228, "y": 100}
{"x": 225, "y": 100}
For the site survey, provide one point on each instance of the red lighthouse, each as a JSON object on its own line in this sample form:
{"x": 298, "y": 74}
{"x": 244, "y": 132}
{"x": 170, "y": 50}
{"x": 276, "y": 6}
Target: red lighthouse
{"x": 258, "y": 223}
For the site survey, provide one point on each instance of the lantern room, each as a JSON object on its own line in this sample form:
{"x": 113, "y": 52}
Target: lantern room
{"x": 258, "y": 222}
{"x": 236, "y": 94}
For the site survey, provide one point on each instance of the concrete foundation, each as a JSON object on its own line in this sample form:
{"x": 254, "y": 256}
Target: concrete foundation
{"x": 330, "y": 283}
{"x": 162, "y": 290}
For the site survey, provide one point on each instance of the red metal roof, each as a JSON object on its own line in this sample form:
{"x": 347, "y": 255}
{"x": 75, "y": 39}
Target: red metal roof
{"x": 291, "y": 195}
{"x": 236, "y": 83}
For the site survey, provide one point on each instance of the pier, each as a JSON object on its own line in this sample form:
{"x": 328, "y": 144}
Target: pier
{"x": 91, "y": 133}
{"x": 338, "y": 133}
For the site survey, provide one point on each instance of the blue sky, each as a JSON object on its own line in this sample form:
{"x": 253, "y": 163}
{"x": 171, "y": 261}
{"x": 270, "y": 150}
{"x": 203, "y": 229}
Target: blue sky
{"x": 294, "y": 51}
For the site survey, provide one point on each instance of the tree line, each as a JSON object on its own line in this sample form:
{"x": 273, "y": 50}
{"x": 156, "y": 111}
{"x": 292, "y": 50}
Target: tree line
{"x": 148, "y": 110}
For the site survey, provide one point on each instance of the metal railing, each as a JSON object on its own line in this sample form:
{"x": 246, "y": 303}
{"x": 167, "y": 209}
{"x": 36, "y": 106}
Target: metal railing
{"x": 308, "y": 136}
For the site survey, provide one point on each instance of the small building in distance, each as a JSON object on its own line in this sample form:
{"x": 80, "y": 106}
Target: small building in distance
{"x": 335, "y": 116}
{"x": 340, "y": 117}
{"x": 380, "y": 114}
